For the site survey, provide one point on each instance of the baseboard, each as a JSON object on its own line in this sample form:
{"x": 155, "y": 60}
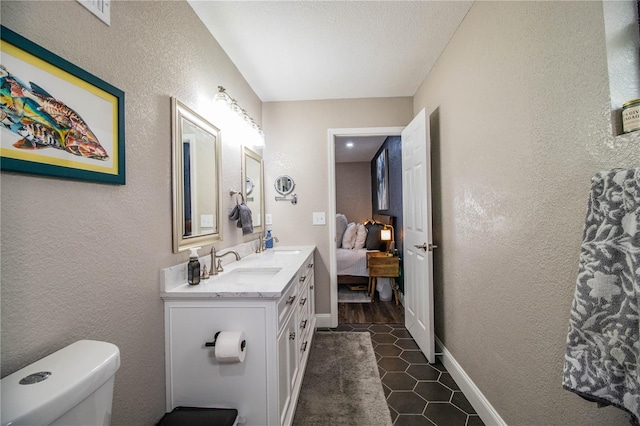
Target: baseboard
{"x": 323, "y": 320}
{"x": 485, "y": 410}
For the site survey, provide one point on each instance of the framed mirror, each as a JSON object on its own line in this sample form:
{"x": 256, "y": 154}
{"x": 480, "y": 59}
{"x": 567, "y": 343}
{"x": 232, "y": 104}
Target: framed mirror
{"x": 196, "y": 179}
{"x": 253, "y": 191}
{"x": 284, "y": 184}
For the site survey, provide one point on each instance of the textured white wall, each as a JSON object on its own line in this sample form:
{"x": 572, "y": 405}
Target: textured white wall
{"x": 82, "y": 260}
{"x": 522, "y": 122}
{"x": 297, "y": 146}
{"x": 353, "y": 191}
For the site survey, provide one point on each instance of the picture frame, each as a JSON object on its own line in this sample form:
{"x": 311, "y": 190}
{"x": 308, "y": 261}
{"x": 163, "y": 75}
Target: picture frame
{"x": 382, "y": 180}
{"x": 57, "y": 119}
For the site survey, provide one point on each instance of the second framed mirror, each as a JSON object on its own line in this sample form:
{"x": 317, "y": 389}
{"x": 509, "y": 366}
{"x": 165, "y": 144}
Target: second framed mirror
{"x": 253, "y": 186}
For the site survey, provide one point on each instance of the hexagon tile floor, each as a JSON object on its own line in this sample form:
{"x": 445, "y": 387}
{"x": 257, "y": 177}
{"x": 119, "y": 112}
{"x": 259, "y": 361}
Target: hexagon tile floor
{"x": 418, "y": 393}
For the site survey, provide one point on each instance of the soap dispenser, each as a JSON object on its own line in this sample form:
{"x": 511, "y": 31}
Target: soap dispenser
{"x": 268, "y": 241}
{"x": 193, "y": 267}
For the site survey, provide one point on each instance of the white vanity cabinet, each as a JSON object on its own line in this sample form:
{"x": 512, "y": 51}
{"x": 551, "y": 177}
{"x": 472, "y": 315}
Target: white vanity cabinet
{"x": 294, "y": 339}
{"x": 278, "y": 327}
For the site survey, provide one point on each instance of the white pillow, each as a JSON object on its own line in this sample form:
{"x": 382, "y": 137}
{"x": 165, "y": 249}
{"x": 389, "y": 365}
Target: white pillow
{"x": 349, "y": 238}
{"x": 361, "y": 236}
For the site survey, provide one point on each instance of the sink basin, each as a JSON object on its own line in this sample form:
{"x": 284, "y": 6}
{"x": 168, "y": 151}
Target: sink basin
{"x": 246, "y": 276}
{"x": 285, "y": 251}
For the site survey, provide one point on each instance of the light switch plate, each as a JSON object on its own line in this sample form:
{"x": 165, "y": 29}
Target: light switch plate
{"x": 267, "y": 219}
{"x": 206, "y": 221}
{"x": 319, "y": 218}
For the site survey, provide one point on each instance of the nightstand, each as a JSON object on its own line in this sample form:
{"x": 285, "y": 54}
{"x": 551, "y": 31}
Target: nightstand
{"x": 381, "y": 265}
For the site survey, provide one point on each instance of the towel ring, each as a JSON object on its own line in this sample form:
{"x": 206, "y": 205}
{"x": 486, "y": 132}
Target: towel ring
{"x": 232, "y": 193}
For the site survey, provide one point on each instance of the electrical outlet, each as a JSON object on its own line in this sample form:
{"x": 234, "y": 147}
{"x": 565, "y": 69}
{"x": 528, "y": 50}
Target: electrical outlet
{"x": 319, "y": 218}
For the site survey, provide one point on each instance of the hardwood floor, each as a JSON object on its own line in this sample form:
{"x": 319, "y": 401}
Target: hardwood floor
{"x": 376, "y": 312}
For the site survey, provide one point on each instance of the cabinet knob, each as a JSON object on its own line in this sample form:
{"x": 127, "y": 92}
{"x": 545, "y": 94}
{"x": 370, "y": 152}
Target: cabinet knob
{"x": 303, "y": 301}
{"x": 303, "y": 324}
{"x": 290, "y": 300}
{"x": 303, "y": 347}
{"x": 310, "y": 265}
{"x": 292, "y": 335}
{"x": 302, "y": 279}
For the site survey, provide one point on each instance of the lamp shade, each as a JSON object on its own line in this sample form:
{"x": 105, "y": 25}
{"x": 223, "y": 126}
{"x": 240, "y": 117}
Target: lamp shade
{"x": 385, "y": 234}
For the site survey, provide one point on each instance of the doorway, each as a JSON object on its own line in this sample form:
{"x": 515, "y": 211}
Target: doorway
{"x": 356, "y": 312}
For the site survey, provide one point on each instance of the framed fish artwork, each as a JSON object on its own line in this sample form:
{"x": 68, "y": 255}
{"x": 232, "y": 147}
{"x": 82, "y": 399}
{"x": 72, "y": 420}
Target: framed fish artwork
{"x": 56, "y": 119}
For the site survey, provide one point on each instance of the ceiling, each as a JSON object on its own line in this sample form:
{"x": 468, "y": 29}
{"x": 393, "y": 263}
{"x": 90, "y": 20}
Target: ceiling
{"x": 363, "y": 149}
{"x": 307, "y": 50}
{"x": 304, "y": 50}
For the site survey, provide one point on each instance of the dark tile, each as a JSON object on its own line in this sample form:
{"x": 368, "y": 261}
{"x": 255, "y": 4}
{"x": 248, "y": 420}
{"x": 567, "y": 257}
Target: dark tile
{"x": 380, "y": 328}
{"x": 388, "y": 350}
{"x": 360, "y": 327}
{"x": 407, "y": 344}
{"x": 406, "y": 402}
{"x": 414, "y": 357}
{"x": 383, "y": 338}
{"x": 394, "y": 414}
{"x": 423, "y": 372}
{"x": 433, "y": 391}
{"x": 446, "y": 379}
{"x": 393, "y": 364}
{"x": 462, "y": 403}
{"x": 386, "y": 390}
{"x": 445, "y": 414}
{"x": 474, "y": 420}
{"x": 417, "y": 393}
{"x": 438, "y": 365}
{"x": 399, "y": 381}
{"x": 412, "y": 420}
{"x": 401, "y": 333}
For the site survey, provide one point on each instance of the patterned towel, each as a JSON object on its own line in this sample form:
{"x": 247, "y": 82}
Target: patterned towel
{"x": 601, "y": 363}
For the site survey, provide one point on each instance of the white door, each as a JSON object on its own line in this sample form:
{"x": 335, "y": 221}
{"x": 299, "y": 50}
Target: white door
{"x": 418, "y": 242}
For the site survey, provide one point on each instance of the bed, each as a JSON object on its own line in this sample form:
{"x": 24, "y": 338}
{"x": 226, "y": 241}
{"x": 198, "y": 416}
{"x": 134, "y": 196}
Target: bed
{"x": 352, "y": 262}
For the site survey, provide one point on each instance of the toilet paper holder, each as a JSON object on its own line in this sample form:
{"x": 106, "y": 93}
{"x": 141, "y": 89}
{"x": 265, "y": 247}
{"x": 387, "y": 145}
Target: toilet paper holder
{"x": 243, "y": 344}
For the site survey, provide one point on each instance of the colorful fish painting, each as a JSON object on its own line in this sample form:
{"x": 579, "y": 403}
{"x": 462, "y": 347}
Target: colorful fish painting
{"x": 44, "y": 121}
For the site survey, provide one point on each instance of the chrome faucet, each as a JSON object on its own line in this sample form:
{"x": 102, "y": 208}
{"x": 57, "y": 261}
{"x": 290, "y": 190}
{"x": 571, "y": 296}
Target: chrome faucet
{"x": 215, "y": 269}
{"x": 259, "y": 247}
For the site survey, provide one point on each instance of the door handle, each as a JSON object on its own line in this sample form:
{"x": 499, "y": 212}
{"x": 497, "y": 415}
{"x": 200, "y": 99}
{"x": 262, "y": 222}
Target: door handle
{"x": 427, "y": 247}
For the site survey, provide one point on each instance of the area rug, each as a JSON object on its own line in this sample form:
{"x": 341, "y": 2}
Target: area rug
{"x": 341, "y": 384}
{"x": 352, "y": 296}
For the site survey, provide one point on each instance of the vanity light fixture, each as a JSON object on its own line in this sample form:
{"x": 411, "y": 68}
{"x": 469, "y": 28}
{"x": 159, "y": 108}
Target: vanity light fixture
{"x": 244, "y": 124}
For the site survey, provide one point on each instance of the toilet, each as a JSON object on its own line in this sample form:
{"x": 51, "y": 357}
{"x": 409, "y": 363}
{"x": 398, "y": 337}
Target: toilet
{"x": 71, "y": 387}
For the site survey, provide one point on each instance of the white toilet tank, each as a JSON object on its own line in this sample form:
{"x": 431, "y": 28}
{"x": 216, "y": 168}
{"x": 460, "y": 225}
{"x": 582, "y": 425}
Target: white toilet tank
{"x": 77, "y": 392}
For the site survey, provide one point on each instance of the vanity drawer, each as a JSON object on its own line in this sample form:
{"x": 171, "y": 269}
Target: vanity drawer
{"x": 287, "y": 302}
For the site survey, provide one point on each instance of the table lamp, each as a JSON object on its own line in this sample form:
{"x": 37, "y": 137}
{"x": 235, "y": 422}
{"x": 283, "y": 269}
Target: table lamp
{"x": 386, "y": 234}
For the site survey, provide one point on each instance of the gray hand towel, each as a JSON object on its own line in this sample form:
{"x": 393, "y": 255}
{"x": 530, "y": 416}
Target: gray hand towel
{"x": 245, "y": 222}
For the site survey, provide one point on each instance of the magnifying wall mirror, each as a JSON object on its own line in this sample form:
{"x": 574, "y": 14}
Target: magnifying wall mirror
{"x": 284, "y": 184}
{"x": 252, "y": 176}
{"x": 196, "y": 179}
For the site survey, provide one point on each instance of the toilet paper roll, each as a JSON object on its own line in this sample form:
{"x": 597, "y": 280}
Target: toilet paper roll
{"x": 230, "y": 347}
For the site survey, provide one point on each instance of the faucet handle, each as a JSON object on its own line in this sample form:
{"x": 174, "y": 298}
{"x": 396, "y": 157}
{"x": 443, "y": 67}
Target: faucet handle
{"x": 219, "y": 267}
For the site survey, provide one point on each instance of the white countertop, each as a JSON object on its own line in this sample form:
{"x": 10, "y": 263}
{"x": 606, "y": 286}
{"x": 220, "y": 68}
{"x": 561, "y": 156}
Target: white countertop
{"x": 178, "y": 288}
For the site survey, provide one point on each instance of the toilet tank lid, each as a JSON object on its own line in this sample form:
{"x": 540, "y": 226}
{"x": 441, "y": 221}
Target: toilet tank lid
{"x": 76, "y": 372}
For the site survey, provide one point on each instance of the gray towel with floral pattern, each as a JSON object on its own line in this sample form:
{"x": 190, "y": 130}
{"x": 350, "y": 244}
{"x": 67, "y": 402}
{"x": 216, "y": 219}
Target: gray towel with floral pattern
{"x": 601, "y": 363}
